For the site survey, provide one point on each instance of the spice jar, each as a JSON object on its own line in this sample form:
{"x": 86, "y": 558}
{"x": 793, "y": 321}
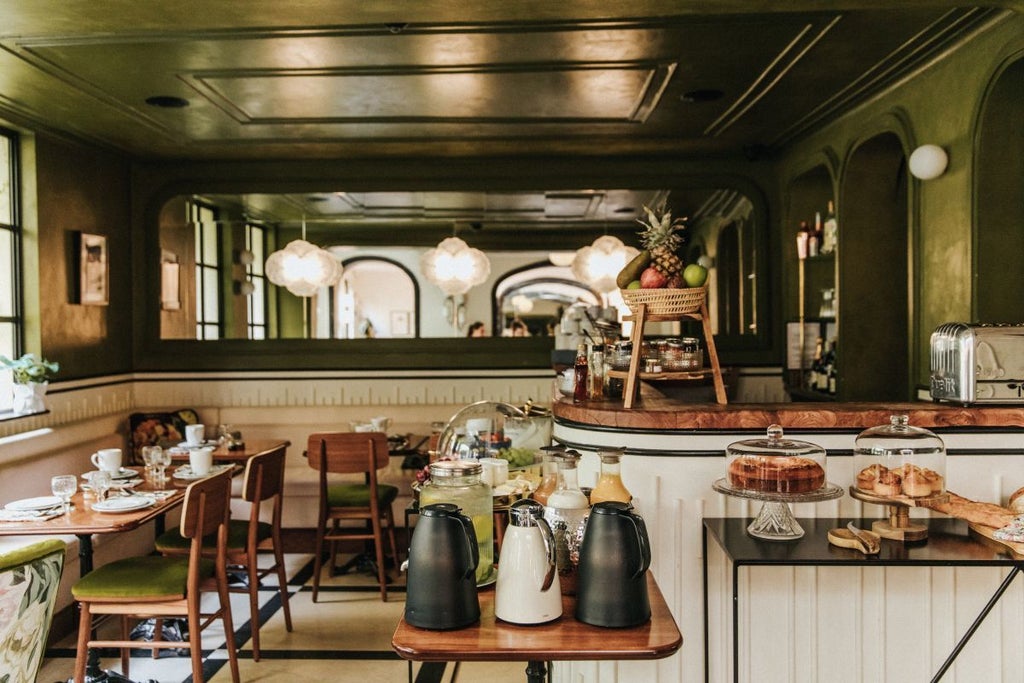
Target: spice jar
{"x": 459, "y": 482}
{"x": 621, "y": 354}
{"x": 682, "y": 355}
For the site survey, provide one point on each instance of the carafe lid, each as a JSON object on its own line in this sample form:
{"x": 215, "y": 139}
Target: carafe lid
{"x": 525, "y": 512}
{"x": 611, "y": 455}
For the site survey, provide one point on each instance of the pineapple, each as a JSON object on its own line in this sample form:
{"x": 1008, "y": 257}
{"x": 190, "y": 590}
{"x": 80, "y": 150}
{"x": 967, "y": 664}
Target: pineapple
{"x": 660, "y": 237}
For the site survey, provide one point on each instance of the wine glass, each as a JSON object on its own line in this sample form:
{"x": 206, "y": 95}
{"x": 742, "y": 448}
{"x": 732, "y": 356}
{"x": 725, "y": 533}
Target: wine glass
{"x": 148, "y": 454}
{"x": 99, "y": 482}
{"x": 64, "y": 486}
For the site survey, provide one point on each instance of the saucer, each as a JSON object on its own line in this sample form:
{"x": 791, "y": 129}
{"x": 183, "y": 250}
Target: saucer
{"x": 204, "y": 444}
{"x": 185, "y": 472}
{"x": 125, "y": 473}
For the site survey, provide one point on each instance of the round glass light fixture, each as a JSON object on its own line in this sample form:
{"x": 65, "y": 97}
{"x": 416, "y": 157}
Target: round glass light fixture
{"x": 522, "y": 304}
{"x": 303, "y": 268}
{"x": 599, "y": 264}
{"x": 928, "y": 161}
{"x": 455, "y": 267}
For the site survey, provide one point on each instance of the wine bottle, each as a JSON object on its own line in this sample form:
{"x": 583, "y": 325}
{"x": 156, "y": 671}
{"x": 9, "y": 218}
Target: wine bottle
{"x": 580, "y": 368}
{"x": 830, "y": 236}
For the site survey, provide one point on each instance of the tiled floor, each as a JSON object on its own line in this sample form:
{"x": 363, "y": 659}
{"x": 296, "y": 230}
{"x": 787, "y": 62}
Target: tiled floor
{"x": 345, "y": 636}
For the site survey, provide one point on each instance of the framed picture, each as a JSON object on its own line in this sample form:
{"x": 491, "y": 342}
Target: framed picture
{"x": 400, "y": 324}
{"x": 93, "y": 270}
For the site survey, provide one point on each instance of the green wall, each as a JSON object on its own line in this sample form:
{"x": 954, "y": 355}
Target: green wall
{"x": 940, "y": 106}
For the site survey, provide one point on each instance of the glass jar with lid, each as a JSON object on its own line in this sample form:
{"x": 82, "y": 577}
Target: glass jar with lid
{"x": 620, "y": 355}
{"x": 682, "y": 355}
{"x": 898, "y": 460}
{"x": 775, "y": 465}
{"x": 459, "y": 482}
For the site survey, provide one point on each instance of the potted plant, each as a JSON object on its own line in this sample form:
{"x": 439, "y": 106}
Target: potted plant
{"x": 31, "y": 376}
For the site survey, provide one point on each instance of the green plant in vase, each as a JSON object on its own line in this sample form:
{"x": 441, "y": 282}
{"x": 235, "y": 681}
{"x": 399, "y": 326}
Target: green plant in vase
{"x": 31, "y": 375}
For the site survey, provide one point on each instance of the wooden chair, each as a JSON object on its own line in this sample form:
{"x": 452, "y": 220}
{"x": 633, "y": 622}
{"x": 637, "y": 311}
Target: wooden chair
{"x": 370, "y": 502}
{"x": 160, "y": 587}
{"x": 264, "y": 481}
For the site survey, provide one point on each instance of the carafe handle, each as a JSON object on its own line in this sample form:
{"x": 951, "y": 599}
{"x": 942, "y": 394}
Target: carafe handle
{"x": 474, "y": 551}
{"x": 549, "y": 549}
{"x": 643, "y": 541}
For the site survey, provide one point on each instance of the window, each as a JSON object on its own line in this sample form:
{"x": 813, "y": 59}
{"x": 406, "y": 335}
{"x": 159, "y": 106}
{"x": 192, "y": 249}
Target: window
{"x": 10, "y": 253}
{"x": 208, "y": 290}
{"x": 255, "y": 244}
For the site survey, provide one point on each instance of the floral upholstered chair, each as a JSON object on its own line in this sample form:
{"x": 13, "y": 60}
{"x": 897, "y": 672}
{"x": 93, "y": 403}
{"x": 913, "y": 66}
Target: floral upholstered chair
{"x": 29, "y": 578}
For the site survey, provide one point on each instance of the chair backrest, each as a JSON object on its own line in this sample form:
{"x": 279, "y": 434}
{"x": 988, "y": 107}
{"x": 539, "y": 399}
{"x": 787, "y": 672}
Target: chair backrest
{"x": 348, "y": 452}
{"x": 264, "y": 476}
{"x": 30, "y": 577}
{"x": 207, "y": 505}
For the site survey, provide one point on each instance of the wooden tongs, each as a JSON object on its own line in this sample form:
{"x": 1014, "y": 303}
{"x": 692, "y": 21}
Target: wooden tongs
{"x": 866, "y": 542}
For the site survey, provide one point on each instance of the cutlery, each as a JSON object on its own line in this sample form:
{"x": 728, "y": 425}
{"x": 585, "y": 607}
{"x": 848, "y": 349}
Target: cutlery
{"x": 870, "y": 543}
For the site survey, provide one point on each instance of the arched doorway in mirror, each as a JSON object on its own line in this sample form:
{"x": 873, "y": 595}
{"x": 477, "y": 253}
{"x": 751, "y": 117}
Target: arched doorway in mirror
{"x": 537, "y": 295}
{"x": 376, "y": 298}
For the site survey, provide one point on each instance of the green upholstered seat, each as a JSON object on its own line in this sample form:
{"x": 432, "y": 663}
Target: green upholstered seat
{"x": 139, "y": 578}
{"x": 358, "y": 495}
{"x": 29, "y": 578}
{"x": 238, "y": 532}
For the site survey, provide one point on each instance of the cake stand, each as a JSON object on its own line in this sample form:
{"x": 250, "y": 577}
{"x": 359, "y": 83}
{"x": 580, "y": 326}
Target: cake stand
{"x": 775, "y": 521}
{"x": 898, "y": 526}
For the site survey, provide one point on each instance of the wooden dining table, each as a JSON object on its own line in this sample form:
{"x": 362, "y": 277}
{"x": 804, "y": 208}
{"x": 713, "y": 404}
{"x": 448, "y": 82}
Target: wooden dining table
{"x": 221, "y": 454}
{"x": 564, "y": 639}
{"x": 84, "y": 523}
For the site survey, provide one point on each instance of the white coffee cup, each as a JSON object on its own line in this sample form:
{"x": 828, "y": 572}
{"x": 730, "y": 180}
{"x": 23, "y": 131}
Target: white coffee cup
{"x": 380, "y": 423}
{"x": 200, "y": 460}
{"x": 194, "y": 434}
{"x": 107, "y": 459}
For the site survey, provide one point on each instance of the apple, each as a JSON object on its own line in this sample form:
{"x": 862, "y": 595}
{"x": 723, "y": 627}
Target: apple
{"x": 695, "y": 275}
{"x": 635, "y": 284}
{"x": 652, "y": 278}
{"x": 674, "y": 282}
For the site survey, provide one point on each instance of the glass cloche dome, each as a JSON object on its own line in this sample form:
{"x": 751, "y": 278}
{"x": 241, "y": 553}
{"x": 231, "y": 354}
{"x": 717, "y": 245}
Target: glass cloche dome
{"x": 897, "y": 460}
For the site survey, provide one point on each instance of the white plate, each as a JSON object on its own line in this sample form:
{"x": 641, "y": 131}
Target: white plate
{"x": 117, "y": 485}
{"x": 40, "y": 503}
{"x": 186, "y": 444}
{"x": 123, "y": 504}
{"x": 125, "y": 473}
{"x": 185, "y": 472}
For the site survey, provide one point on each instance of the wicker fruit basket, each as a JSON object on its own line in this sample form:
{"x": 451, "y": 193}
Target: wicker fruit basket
{"x": 666, "y": 301}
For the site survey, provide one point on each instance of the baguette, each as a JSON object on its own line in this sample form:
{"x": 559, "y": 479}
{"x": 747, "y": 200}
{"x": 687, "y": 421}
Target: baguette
{"x": 1017, "y": 501}
{"x": 986, "y": 514}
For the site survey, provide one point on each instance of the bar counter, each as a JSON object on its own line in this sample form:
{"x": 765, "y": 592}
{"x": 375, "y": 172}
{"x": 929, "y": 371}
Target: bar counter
{"x": 674, "y": 452}
{"x": 658, "y": 412}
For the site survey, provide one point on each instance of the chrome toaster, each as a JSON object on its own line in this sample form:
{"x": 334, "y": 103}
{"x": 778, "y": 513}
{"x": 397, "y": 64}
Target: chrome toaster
{"x": 975, "y": 363}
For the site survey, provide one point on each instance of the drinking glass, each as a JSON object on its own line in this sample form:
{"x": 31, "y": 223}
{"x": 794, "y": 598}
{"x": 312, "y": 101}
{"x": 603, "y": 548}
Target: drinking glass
{"x": 148, "y": 454}
{"x": 161, "y": 459}
{"x": 64, "y": 486}
{"x": 100, "y": 481}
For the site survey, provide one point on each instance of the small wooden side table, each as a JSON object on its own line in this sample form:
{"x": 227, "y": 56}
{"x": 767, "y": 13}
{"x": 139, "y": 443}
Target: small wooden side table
{"x": 564, "y": 639}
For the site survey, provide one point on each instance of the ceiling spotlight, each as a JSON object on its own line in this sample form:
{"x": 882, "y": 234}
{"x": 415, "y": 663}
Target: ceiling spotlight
{"x": 167, "y": 101}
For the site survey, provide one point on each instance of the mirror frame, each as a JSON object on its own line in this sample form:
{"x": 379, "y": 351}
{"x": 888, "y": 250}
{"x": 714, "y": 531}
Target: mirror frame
{"x": 155, "y": 184}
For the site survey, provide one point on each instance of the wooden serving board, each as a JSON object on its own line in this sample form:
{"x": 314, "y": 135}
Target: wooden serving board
{"x": 984, "y": 534}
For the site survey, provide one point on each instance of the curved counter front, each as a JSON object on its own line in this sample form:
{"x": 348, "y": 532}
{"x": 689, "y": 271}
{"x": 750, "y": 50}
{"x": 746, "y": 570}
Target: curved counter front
{"x": 675, "y": 452}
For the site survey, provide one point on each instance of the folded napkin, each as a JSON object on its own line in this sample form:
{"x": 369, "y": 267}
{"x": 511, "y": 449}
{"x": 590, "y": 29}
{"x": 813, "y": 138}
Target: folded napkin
{"x": 29, "y": 515}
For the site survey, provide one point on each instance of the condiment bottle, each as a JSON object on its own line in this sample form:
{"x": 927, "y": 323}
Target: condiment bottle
{"x": 566, "y": 512}
{"x": 459, "y": 482}
{"x": 609, "y": 483}
{"x": 579, "y": 389}
{"x": 595, "y": 378}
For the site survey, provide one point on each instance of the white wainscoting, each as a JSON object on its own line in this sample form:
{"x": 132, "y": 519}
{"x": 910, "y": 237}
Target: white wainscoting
{"x": 806, "y": 623}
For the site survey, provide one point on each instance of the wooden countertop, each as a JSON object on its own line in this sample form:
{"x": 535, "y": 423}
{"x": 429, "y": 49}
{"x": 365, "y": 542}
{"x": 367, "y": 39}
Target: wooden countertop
{"x": 659, "y": 412}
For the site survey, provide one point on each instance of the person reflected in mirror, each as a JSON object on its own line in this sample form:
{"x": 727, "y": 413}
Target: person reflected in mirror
{"x": 367, "y": 329}
{"x": 516, "y": 328}
{"x": 477, "y": 329}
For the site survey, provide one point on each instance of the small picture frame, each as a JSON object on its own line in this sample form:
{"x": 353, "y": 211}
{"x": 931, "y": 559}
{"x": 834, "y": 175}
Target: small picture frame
{"x": 400, "y": 326}
{"x": 93, "y": 270}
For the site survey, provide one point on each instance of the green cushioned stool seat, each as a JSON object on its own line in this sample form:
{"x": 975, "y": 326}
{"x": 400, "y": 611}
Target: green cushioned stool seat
{"x": 238, "y": 533}
{"x": 138, "y": 578}
{"x": 358, "y": 495}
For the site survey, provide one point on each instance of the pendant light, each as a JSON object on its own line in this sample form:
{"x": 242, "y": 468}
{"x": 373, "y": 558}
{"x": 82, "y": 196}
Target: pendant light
{"x": 303, "y": 268}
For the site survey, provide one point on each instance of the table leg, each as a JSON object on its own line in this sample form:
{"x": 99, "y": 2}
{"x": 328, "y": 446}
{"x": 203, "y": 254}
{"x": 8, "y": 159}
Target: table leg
{"x": 977, "y": 622}
{"x": 735, "y": 622}
{"x": 536, "y": 671}
{"x": 704, "y": 555}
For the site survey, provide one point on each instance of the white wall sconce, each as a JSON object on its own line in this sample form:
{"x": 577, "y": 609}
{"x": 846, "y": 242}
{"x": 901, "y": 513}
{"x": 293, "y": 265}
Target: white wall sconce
{"x": 928, "y": 161}
{"x": 244, "y": 288}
